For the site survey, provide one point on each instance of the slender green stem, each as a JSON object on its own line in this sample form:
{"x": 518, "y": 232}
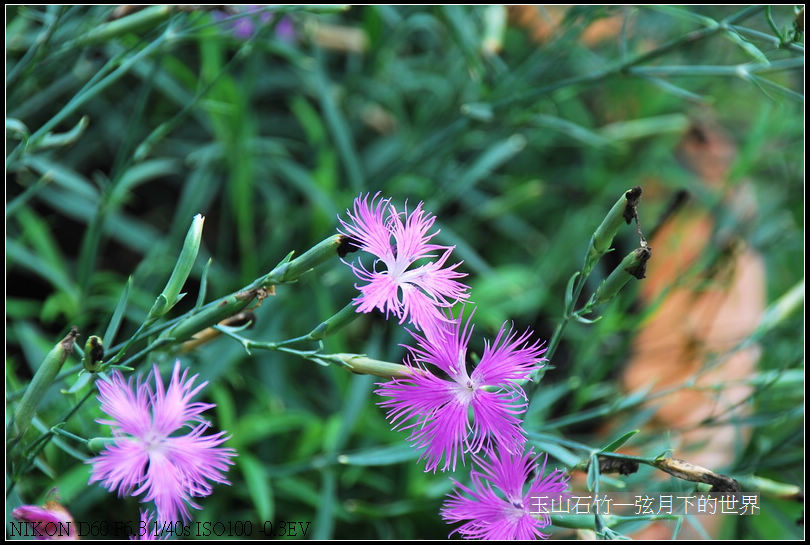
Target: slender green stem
{"x": 185, "y": 326}
{"x": 790, "y": 93}
{"x": 740, "y": 70}
{"x": 622, "y": 211}
{"x": 776, "y": 42}
{"x": 157, "y": 343}
{"x": 567, "y": 314}
{"x": 37, "y": 447}
{"x": 143, "y": 19}
{"x": 741, "y": 15}
{"x": 195, "y": 320}
{"x": 585, "y": 522}
{"x": 40, "y": 42}
{"x": 356, "y": 363}
{"x": 56, "y": 430}
{"x": 772, "y": 24}
{"x": 639, "y": 459}
{"x": 624, "y": 66}
{"x": 81, "y": 98}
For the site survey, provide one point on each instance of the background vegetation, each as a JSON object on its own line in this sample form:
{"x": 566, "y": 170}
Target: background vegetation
{"x": 517, "y": 129}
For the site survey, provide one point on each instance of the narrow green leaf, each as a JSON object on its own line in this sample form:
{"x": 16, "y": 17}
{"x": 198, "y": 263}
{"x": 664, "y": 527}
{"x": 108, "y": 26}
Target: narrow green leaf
{"x": 37, "y": 233}
{"x": 557, "y": 451}
{"x": 495, "y": 156}
{"x": 203, "y": 284}
{"x": 380, "y": 456}
{"x": 185, "y": 261}
{"x": 675, "y": 90}
{"x": 338, "y": 127}
{"x": 63, "y": 176}
{"x": 569, "y": 291}
{"x": 254, "y": 427}
{"x": 572, "y": 130}
{"x": 593, "y": 473}
{"x": 56, "y": 140}
{"x": 646, "y": 127}
{"x": 17, "y": 128}
{"x": 582, "y": 320}
{"x": 31, "y": 191}
{"x": 613, "y": 445}
{"x": 258, "y": 485}
{"x": 324, "y": 523}
{"x": 83, "y": 380}
{"x": 467, "y": 35}
{"x": 479, "y": 111}
{"x": 139, "y": 174}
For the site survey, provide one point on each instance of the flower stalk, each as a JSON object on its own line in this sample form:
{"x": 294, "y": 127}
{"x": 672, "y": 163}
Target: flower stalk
{"x": 340, "y": 319}
{"x": 290, "y": 270}
{"x": 624, "y": 210}
{"x": 187, "y": 326}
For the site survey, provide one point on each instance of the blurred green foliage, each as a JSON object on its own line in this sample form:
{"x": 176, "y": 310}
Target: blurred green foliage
{"x": 119, "y": 131}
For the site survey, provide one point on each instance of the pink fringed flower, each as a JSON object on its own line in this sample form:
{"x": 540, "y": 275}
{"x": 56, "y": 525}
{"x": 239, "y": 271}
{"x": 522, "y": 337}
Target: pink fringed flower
{"x": 455, "y": 410}
{"x": 410, "y": 293}
{"x": 52, "y": 521}
{"x": 496, "y": 506}
{"x": 146, "y": 457}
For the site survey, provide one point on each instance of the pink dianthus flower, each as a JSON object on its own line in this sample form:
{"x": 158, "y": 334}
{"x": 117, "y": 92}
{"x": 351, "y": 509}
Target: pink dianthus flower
{"x": 498, "y": 505}
{"x": 416, "y": 293}
{"x": 453, "y": 410}
{"x": 148, "y": 455}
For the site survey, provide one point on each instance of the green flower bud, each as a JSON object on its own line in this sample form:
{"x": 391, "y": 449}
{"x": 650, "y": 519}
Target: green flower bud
{"x": 171, "y": 293}
{"x": 43, "y": 379}
{"x": 93, "y": 354}
{"x": 623, "y": 211}
{"x": 97, "y": 444}
{"x": 634, "y": 265}
{"x": 363, "y": 365}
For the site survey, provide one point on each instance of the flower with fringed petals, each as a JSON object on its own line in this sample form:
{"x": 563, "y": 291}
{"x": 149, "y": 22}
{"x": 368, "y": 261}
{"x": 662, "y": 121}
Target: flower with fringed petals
{"x": 450, "y": 411}
{"x": 147, "y": 455}
{"x": 498, "y": 505}
{"x": 416, "y": 293}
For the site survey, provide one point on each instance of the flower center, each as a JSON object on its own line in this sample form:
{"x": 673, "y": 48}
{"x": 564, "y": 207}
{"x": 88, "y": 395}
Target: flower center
{"x": 154, "y": 443}
{"x": 465, "y": 391}
{"x": 514, "y": 511}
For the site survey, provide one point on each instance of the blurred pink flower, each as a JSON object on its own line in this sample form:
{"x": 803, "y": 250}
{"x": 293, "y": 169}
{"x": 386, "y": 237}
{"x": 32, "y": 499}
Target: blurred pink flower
{"x": 440, "y": 402}
{"x": 251, "y": 17}
{"x": 52, "y": 521}
{"x": 146, "y": 457}
{"x": 413, "y": 293}
{"x": 495, "y": 505}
